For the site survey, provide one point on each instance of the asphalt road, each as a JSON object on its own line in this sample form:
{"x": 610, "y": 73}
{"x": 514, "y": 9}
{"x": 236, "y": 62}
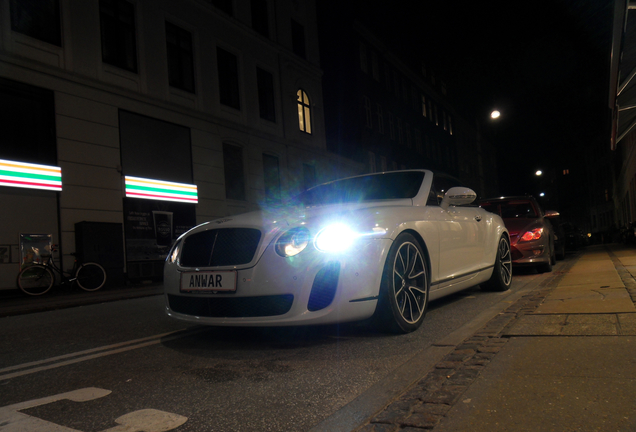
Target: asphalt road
{"x": 117, "y": 365}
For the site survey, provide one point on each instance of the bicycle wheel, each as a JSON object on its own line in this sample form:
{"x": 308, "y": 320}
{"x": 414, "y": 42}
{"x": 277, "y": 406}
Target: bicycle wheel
{"x": 35, "y": 279}
{"x": 90, "y": 276}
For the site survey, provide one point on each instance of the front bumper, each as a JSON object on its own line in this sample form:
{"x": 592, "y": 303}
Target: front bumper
{"x": 310, "y": 288}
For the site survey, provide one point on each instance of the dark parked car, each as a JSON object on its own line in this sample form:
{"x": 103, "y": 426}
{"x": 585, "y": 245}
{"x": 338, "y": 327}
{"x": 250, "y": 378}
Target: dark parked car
{"x": 559, "y": 237}
{"x": 531, "y": 234}
{"x": 575, "y": 238}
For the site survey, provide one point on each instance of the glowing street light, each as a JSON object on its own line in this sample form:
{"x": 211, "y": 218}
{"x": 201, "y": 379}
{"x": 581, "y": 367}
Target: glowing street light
{"x": 538, "y": 173}
{"x": 495, "y": 114}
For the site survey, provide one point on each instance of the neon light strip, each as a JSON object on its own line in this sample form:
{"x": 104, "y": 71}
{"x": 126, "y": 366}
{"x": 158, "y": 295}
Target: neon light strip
{"x": 31, "y": 176}
{"x": 137, "y": 187}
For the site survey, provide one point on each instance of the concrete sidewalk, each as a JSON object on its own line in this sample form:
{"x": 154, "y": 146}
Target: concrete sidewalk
{"x": 15, "y": 302}
{"x": 561, "y": 359}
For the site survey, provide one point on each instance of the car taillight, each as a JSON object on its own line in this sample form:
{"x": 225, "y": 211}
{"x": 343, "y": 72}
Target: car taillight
{"x": 535, "y": 234}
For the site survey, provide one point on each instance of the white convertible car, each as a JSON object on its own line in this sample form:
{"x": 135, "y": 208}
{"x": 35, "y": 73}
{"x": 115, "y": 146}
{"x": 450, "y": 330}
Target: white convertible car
{"x": 378, "y": 245}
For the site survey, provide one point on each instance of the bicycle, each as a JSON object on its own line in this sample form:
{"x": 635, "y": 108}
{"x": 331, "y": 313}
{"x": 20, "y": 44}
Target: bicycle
{"x": 37, "y": 279}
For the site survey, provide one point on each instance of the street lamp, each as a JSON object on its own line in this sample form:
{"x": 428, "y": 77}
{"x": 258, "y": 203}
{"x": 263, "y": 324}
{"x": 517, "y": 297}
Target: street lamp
{"x": 495, "y": 114}
{"x": 538, "y": 173}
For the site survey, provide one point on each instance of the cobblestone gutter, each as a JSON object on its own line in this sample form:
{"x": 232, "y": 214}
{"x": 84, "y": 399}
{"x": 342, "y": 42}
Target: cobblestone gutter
{"x": 425, "y": 403}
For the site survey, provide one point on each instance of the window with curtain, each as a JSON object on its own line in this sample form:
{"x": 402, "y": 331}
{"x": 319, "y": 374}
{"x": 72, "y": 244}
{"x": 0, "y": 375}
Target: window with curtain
{"x": 304, "y": 111}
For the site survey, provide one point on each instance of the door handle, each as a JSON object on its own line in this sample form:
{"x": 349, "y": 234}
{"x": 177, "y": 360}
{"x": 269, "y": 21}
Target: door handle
{"x": 478, "y": 218}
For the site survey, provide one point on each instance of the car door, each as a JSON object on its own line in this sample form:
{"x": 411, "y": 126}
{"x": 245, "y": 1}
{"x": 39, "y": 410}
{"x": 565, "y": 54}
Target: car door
{"x": 461, "y": 232}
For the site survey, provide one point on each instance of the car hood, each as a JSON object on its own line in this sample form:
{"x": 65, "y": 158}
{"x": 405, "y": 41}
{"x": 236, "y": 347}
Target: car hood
{"x": 520, "y": 225}
{"x": 272, "y": 222}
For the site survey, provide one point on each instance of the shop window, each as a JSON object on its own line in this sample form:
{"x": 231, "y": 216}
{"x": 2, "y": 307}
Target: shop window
{"x": 39, "y": 19}
{"x": 180, "y": 58}
{"x": 119, "y": 46}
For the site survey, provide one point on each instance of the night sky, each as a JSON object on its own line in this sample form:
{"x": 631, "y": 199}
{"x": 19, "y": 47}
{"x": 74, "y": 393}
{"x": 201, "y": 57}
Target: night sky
{"x": 543, "y": 64}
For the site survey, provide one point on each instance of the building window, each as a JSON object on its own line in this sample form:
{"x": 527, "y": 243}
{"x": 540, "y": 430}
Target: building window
{"x": 380, "y": 117}
{"x": 430, "y": 110}
{"x": 400, "y": 131}
{"x": 119, "y": 46}
{"x": 418, "y": 141}
{"x": 391, "y": 127}
{"x": 436, "y": 116}
{"x": 375, "y": 69}
{"x": 234, "y": 174}
{"x": 304, "y": 111}
{"x": 424, "y": 106}
{"x": 260, "y": 17}
{"x": 363, "y": 58}
{"x": 39, "y": 19}
{"x": 309, "y": 176}
{"x": 367, "y": 113}
{"x": 266, "y": 105}
{"x": 223, "y": 5}
{"x": 566, "y": 171}
{"x": 445, "y": 123}
{"x": 271, "y": 177}
{"x": 383, "y": 163}
{"x": 228, "y": 78}
{"x": 450, "y": 125}
{"x": 396, "y": 84}
{"x": 180, "y": 58}
{"x": 298, "y": 39}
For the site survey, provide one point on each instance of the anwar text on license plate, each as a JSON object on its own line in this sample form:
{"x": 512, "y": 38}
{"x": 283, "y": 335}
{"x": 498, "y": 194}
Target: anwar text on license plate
{"x": 208, "y": 281}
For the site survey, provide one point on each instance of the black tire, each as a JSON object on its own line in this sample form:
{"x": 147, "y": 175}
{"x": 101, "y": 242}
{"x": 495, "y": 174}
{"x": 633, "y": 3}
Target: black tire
{"x": 90, "y": 276}
{"x": 553, "y": 255}
{"x": 36, "y": 279}
{"x": 501, "y": 278}
{"x": 405, "y": 286}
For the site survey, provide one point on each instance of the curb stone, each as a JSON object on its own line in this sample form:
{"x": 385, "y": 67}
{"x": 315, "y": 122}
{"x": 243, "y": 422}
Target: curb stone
{"x": 426, "y": 403}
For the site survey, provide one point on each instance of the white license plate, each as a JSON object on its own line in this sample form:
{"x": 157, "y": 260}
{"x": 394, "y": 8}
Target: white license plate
{"x": 208, "y": 281}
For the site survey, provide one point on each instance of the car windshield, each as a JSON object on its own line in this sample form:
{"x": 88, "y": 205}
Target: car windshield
{"x": 394, "y": 185}
{"x": 511, "y": 209}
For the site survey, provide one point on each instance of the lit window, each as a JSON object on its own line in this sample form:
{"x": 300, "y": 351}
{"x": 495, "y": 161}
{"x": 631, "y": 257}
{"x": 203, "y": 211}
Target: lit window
{"x": 304, "y": 112}
{"x": 566, "y": 171}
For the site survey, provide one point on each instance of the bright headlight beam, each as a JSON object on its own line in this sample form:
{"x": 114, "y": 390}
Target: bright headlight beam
{"x": 335, "y": 238}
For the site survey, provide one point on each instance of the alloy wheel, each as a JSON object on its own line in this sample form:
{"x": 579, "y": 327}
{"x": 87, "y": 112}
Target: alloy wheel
{"x": 409, "y": 282}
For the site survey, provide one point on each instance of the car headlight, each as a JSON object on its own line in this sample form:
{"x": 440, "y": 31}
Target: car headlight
{"x": 292, "y": 242}
{"x": 335, "y": 238}
{"x": 534, "y": 234}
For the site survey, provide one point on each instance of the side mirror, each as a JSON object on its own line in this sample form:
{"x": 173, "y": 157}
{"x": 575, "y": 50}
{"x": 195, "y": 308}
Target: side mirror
{"x": 551, "y": 213}
{"x": 458, "y": 196}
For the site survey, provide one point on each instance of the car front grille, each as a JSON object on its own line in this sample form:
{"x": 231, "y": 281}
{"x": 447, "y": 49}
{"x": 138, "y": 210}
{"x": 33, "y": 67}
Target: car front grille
{"x": 220, "y": 247}
{"x": 231, "y": 307}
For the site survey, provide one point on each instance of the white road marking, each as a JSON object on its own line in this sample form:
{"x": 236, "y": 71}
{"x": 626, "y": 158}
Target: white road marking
{"x": 146, "y": 420}
{"x": 80, "y": 356}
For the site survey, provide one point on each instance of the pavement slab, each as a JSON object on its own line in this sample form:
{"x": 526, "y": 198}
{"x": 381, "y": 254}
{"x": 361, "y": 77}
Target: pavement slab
{"x": 586, "y": 299}
{"x": 541, "y": 384}
{"x": 574, "y": 325}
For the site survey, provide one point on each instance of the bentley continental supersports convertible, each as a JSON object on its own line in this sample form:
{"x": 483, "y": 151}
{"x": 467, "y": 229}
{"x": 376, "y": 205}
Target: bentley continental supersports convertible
{"x": 375, "y": 246}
